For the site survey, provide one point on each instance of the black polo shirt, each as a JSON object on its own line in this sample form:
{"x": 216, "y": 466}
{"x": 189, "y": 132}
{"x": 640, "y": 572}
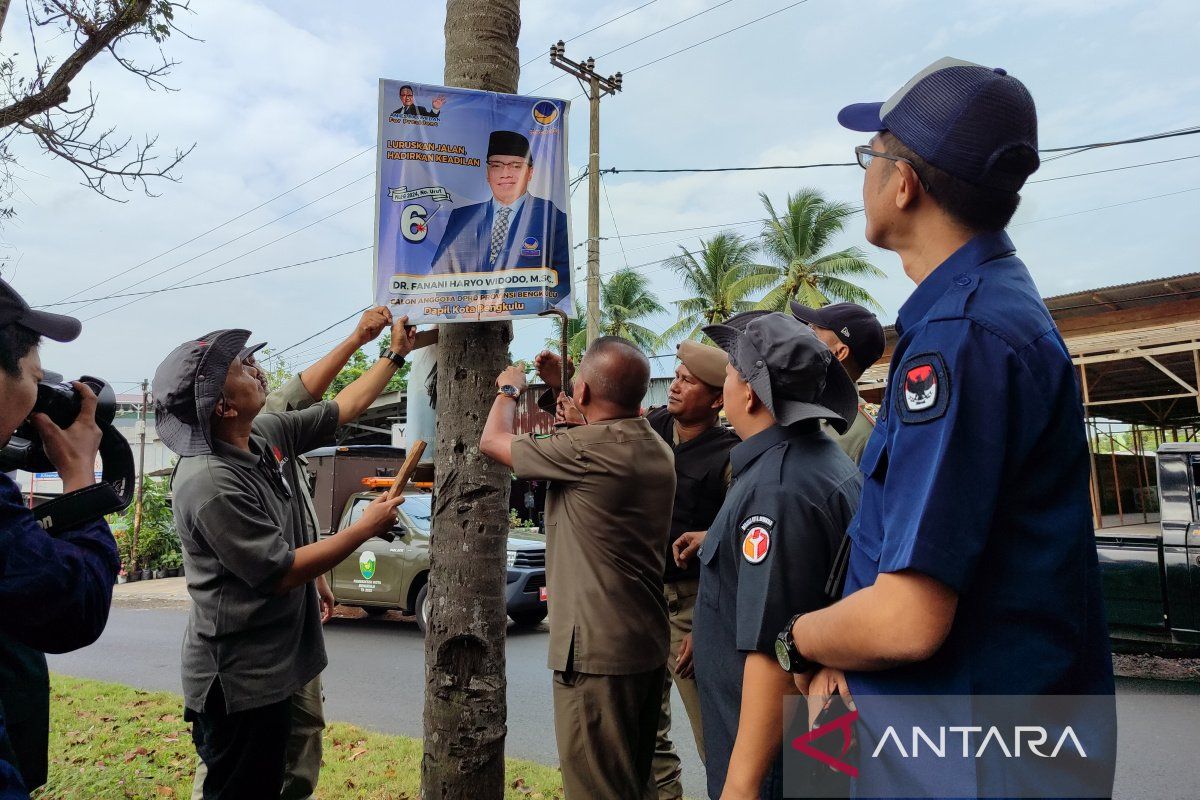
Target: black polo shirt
{"x": 766, "y": 557}
{"x": 240, "y": 521}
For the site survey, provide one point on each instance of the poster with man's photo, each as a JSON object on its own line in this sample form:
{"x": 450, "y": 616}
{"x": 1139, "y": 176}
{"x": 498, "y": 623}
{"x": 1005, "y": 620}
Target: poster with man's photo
{"x": 471, "y": 215}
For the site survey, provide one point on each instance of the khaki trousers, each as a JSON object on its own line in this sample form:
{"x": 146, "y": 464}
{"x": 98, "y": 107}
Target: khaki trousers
{"x": 605, "y": 727}
{"x": 667, "y": 769}
{"x": 303, "y": 747}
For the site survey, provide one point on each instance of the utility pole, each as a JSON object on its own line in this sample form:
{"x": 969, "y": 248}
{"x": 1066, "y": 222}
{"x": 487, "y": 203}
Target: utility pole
{"x": 595, "y": 88}
{"x": 465, "y": 702}
{"x": 141, "y": 482}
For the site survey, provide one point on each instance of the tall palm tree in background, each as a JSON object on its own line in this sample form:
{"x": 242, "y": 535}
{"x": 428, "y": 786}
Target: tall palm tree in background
{"x": 625, "y": 301}
{"x": 720, "y": 277}
{"x": 794, "y": 242}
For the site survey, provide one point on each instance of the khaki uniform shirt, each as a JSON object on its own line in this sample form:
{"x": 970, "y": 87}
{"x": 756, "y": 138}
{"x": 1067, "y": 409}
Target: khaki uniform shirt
{"x": 606, "y": 543}
{"x": 854, "y": 440}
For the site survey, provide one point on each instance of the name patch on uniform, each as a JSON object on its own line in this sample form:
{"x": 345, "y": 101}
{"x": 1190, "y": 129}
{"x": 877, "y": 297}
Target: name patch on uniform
{"x": 756, "y": 538}
{"x": 924, "y": 393}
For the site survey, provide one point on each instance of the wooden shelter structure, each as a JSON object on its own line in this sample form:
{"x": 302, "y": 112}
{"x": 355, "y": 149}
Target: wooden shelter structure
{"x": 1136, "y": 350}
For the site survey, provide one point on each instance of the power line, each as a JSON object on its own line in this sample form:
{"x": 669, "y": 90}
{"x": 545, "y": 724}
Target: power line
{"x": 1102, "y": 208}
{"x": 1115, "y": 169}
{"x": 279, "y": 353}
{"x": 212, "y": 282}
{"x": 613, "y": 217}
{"x": 225, "y": 244}
{"x": 1070, "y": 151}
{"x": 642, "y": 39}
{"x": 592, "y": 30}
{"x": 218, "y": 227}
{"x": 235, "y": 258}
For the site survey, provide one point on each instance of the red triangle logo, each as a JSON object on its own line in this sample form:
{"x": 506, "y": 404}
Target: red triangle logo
{"x": 845, "y": 724}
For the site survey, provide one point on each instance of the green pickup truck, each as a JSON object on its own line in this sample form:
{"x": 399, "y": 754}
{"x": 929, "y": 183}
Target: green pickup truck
{"x": 382, "y": 575}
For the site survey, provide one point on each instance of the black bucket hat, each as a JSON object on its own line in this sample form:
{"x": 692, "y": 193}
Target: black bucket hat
{"x": 13, "y": 308}
{"x": 187, "y": 385}
{"x": 789, "y": 368}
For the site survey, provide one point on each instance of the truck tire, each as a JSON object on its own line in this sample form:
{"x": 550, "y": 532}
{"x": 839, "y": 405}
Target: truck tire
{"x": 421, "y": 609}
{"x": 527, "y": 619}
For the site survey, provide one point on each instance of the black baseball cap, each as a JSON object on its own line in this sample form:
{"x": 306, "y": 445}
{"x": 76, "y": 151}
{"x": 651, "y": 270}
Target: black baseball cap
{"x": 187, "y": 385}
{"x": 963, "y": 118}
{"x": 13, "y": 308}
{"x": 790, "y": 369}
{"x": 855, "y": 326}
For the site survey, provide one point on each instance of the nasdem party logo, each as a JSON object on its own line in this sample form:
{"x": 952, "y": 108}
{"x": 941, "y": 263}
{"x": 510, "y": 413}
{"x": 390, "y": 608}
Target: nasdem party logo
{"x": 544, "y": 112}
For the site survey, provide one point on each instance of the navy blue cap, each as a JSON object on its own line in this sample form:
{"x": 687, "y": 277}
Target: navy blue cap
{"x": 962, "y": 118}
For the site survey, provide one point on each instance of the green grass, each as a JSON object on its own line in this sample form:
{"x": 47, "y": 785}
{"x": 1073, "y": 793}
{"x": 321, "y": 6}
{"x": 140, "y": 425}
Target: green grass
{"x": 111, "y": 741}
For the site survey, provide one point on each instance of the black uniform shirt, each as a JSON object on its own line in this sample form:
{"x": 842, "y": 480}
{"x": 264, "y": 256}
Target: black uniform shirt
{"x": 766, "y": 557}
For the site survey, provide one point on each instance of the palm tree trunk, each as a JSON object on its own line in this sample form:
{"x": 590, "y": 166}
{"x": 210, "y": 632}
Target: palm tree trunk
{"x": 465, "y": 707}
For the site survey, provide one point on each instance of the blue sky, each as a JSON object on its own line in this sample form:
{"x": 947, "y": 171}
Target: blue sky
{"x": 276, "y": 92}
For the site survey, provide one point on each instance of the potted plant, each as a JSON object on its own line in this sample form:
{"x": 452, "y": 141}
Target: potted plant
{"x": 172, "y": 564}
{"x": 121, "y": 575}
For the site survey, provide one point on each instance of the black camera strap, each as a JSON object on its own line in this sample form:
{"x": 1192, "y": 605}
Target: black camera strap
{"x": 113, "y": 493}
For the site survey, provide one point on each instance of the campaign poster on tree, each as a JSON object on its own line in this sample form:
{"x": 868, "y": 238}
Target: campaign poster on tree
{"x": 471, "y": 215}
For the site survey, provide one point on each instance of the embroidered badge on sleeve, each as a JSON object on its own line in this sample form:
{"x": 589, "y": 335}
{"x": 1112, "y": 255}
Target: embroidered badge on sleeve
{"x": 756, "y": 538}
{"x": 924, "y": 390}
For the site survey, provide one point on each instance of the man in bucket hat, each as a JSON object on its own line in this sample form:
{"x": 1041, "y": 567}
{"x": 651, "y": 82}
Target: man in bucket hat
{"x": 769, "y": 550}
{"x": 254, "y": 632}
{"x": 973, "y": 567}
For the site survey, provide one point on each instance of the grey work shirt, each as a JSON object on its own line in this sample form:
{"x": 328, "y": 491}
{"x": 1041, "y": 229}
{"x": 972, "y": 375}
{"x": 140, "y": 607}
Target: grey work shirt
{"x": 766, "y": 557}
{"x": 240, "y": 525}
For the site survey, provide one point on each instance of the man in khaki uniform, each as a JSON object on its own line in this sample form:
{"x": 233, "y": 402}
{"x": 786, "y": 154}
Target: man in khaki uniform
{"x": 855, "y": 337}
{"x": 691, "y": 426}
{"x": 299, "y": 393}
{"x": 606, "y": 532}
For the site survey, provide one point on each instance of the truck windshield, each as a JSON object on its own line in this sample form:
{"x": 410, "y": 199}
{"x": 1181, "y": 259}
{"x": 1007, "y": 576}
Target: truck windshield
{"x": 419, "y": 508}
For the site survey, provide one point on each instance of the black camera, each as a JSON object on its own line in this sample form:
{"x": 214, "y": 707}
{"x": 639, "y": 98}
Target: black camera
{"x": 60, "y": 401}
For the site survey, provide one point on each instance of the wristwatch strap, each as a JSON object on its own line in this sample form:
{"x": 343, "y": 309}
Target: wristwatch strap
{"x": 395, "y": 358}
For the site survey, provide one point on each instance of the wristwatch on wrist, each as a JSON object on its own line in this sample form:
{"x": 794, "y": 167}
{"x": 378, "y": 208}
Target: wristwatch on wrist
{"x": 393, "y": 357}
{"x": 786, "y": 653}
{"x": 508, "y": 390}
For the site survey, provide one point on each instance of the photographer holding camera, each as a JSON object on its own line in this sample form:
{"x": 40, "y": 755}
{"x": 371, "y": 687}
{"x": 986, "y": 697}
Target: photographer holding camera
{"x": 55, "y": 589}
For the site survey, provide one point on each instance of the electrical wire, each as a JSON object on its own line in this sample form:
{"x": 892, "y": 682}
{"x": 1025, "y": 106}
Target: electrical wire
{"x": 613, "y": 217}
{"x": 235, "y": 258}
{"x": 592, "y": 30}
{"x": 211, "y": 250}
{"x": 216, "y": 281}
{"x": 218, "y": 227}
{"x": 1102, "y": 208}
{"x": 279, "y": 353}
{"x": 641, "y": 39}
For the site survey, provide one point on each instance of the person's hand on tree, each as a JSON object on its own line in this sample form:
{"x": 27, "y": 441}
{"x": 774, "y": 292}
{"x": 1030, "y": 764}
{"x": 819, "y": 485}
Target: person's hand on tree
{"x": 404, "y": 337}
{"x": 549, "y": 369}
{"x": 371, "y": 324}
{"x": 512, "y": 376}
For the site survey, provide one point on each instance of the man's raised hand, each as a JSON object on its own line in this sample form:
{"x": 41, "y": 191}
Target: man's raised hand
{"x": 372, "y": 323}
{"x": 549, "y": 369}
{"x": 404, "y": 337}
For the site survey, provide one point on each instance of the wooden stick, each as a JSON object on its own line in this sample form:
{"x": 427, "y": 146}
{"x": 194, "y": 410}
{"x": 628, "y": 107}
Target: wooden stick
{"x": 407, "y": 469}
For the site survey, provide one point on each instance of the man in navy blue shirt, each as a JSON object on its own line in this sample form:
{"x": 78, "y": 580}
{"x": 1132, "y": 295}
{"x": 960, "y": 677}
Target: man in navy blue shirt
{"x": 55, "y": 590}
{"x": 973, "y": 569}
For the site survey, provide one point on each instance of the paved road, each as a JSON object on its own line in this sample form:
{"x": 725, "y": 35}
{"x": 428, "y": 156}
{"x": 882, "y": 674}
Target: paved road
{"x": 375, "y": 679}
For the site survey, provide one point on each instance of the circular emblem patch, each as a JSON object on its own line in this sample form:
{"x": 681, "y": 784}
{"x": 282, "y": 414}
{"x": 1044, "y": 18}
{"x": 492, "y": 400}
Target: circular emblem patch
{"x": 756, "y": 545}
{"x": 544, "y": 112}
{"x": 366, "y": 564}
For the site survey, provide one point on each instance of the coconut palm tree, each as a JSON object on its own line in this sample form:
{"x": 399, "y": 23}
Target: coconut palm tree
{"x": 625, "y": 299}
{"x": 794, "y": 242}
{"x": 720, "y": 277}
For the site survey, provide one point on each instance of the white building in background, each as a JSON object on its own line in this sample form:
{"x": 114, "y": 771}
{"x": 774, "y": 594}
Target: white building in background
{"x": 127, "y": 422}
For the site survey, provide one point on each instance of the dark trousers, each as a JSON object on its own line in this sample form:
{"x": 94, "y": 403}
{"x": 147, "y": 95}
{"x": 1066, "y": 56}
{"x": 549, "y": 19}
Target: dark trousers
{"x": 606, "y": 726}
{"x": 245, "y": 752}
